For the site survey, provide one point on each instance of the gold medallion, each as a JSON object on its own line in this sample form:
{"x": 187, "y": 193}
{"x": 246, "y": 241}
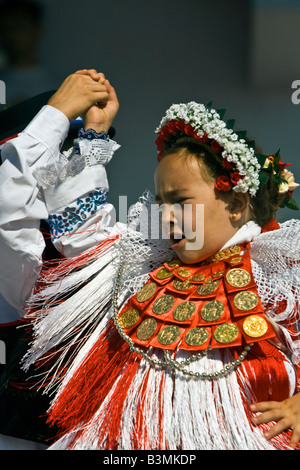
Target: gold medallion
{"x": 218, "y": 274}
{"x": 236, "y": 260}
{"x": 184, "y": 311}
{"x": 173, "y": 263}
{"x": 164, "y": 273}
{"x": 208, "y": 287}
{"x": 146, "y": 329}
{"x": 163, "y": 304}
{"x": 245, "y": 300}
{"x": 255, "y": 326}
{"x": 238, "y": 277}
{"x": 129, "y": 318}
{"x": 184, "y": 272}
{"x": 196, "y": 336}
{"x": 212, "y": 311}
{"x": 181, "y": 285}
{"x": 168, "y": 335}
{"x": 226, "y": 333}
{"x": 198, "y": 277}
{"x": 146, "y": 292}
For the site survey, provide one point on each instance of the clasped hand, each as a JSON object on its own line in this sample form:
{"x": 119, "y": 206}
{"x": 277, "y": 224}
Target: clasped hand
{"x": 89, "y": 94}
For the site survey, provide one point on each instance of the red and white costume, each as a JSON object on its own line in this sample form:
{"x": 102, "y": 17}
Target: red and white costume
{"x": 108, "y": 396}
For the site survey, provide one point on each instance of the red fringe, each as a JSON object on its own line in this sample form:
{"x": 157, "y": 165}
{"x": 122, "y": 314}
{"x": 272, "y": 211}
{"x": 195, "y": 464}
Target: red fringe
{"x": 89, "y": 386}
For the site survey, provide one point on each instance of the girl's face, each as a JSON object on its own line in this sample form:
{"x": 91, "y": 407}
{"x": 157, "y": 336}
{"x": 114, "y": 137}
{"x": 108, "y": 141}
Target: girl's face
{"x": 195, "y": 220}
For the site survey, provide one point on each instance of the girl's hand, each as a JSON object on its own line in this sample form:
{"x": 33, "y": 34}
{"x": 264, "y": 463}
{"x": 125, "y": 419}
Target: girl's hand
{"x": 286, "y": 413}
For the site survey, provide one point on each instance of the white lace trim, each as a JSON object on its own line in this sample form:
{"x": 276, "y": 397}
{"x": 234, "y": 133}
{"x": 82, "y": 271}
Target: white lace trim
{"x": 69, "y": 164}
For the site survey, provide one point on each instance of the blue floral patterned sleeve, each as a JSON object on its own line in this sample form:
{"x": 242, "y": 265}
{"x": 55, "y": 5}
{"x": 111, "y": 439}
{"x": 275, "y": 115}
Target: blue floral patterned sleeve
{"x": 70, "y": 218}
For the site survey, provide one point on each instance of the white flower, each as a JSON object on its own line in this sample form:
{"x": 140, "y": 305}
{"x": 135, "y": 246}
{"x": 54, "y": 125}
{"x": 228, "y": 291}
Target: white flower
{"x": 289, "y": 180}
{"x": 235, "y": 150}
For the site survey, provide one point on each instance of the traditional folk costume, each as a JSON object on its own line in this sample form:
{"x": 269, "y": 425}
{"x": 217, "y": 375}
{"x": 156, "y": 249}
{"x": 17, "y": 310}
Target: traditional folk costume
{"x": 138, "y": 350}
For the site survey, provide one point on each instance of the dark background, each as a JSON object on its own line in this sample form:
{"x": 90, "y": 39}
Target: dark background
{"x": 242, "y": 55}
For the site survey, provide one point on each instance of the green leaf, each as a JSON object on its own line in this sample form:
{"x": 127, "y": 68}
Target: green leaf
{"x": 261, "y": 158}
{"x": 241, "y": 134}
{"x": 291, "y": 204}
{"x": 251, "y": 144}
{"x": 230, "y": 123}
{"x": 263, "y": 179}
{"x": 221, "y": 112}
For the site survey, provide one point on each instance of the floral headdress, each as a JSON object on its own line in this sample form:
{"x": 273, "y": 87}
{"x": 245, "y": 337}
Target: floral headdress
{"x": 234, "y": 153}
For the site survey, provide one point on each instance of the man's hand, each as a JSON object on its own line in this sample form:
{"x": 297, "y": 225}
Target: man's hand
{"x": 78, "y": 93}
{"x": 101, "y": 116}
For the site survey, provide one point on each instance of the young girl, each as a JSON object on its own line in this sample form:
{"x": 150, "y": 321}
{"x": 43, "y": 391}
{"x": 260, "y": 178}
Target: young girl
{"x": 155, "y": 343}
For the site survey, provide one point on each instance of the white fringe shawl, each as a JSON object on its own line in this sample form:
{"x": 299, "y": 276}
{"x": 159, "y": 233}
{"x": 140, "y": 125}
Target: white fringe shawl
{"x": 196, "y": 414}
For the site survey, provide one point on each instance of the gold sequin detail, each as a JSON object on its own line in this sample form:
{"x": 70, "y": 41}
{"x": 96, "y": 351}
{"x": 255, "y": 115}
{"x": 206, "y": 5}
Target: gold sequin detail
{"x": 146, "y": 329}
{"x": 163, "y": 304}
{"x": 227, "y": 253}
{"x": 173, "y": 263}
{"x": 184, "y": 311}
{"x": 146, "y": 292}
{"x": 198, "y": 277}
{"x": 236, "y": 260}
{"x": 181, "y": 285}
{"x": 163, "y": 273}
{"x": 184, "y": 272}
{"x": 238, "y": 277}
{"x": 255, "y": 326}
{"x": 196, "y": 336}
{"x": 245, "y": 300}
{"x": 218, "y": 274}
{"x": 212, "y": 311}
{"x": 168, "y": 335}
{"x": 208, "y": 287}
{"x": 226, "y": 333}
{"x": 129, "y": 318}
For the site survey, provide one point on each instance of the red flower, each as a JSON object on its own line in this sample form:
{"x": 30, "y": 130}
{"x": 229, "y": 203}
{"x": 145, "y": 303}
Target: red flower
{"x": 223, "y": 183}
{"x": 227, "y": 164}
{"x": 282, "y": 165}
{"x": 235, "y": 177}
{"x": 215, "y": 146}
{"x": 204, "y": 138}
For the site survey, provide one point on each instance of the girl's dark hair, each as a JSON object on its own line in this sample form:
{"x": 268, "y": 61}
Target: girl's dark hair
{"x": 267, "y": 199}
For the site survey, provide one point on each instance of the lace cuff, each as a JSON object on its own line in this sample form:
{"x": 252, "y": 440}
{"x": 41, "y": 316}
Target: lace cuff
{"x": 89, "y": 149}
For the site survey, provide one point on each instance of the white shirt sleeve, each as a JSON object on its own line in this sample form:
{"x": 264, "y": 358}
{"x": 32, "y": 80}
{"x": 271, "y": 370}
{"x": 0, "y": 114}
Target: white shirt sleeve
{"x": 23, "y": 203}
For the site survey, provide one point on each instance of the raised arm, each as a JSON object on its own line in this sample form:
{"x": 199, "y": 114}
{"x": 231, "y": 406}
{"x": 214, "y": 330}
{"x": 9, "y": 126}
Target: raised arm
{"x": 23, "y": 199}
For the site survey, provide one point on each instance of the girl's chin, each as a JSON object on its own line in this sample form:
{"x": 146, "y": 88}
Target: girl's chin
{"x": 187, "y": 256}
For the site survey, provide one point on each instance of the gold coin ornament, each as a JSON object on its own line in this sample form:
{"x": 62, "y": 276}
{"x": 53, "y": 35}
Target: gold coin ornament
{"x": 181, "y": 285}
{"x": 245, "y": 300}
{"x": 168, "y": 335}
{"x": 164, "y": 273}
{"x": 184, "y": 272}
{"x": 198, "y": 277}
{"x": 146, "y": 329}
{"x": 163, "y": 304}
{"x": 208, "y": 287}
{"x": 146, "y": 292}
{"x": 196, "y": 336}
{"x": 236, "y": 260}
{"x": 212, "y": 311}
{"x": 238, "y": 277}
{"x": 184, "y": 311}
{"x": 173, "y": 263}
{"x": 226, "y": 333}
{"x": 255, "y": 326}
{"x": 129, "y": 318}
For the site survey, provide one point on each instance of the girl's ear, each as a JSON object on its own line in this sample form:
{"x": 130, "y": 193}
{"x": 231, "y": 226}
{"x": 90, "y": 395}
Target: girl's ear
{"x": 238, "y": 206}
